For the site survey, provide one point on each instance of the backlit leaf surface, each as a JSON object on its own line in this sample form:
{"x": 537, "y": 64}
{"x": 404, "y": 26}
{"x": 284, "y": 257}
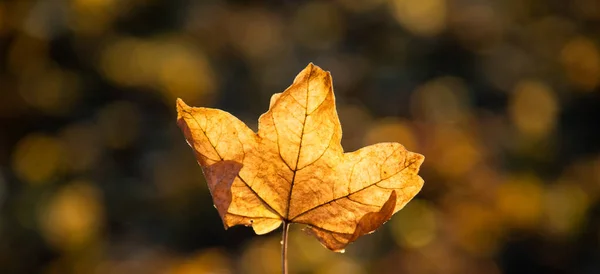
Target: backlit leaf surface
{"x": 295, "y": 169}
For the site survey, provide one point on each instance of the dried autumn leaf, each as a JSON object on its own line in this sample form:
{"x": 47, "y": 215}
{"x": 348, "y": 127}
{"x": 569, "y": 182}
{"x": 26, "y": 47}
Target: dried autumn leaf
{"x": 295, "y": 170}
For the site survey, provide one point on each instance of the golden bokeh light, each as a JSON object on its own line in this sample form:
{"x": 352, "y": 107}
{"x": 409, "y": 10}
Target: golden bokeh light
{"x": 416, "y": 225}
{"x": 141, "y": 260}
{"x": 501, "y": 98}
{"x": 37, "y": 158}
{"x": 73, "y": 216}
{"x": 441, "y": 100}
{"x": 421, "y": 17}
{"x": 257, "y": 34}
{"x": 213, "y": 261}
{"x": 42, "y": 84}
{"x": 259, "y": 255}
{"x": 309, "y": 255}
{"x": 93, "y": 16}
{"x": 585, "y": 173}
{"x": 533, "y": 108}
{"x": 453, "y": 152}
{"x": 392, "y": 130}
{"x": 51, "y": 90}
{"x": 341, "y": 265}
{"x": 475, "y": 228}
{"x": 565, "y": 209}
{"x": 168, "y": 64}
{"x": 581, "y": 61}
{"x": 436, "y": 257}
{"x": 520, "y": 201}
{"x": 27, "y": 55}
{"x": 128, "y": 61}
{"x": 184, "y": 72}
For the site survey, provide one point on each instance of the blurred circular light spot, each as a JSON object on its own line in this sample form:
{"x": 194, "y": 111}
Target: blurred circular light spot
{"x": 415, "y": 225}
{"x": 453, "y": 152}
{"x": 92, "y": 16}
{"x": 259, "y": 255}
{"x": 310, "y": 254}
{"x": 565, "y": 209}
{"x": 51, "y": 90}
{"x": 257, "y": 34}
{"x": 73, "y": 216}
{"x": 184, "y": 73}
{"x": 533, "y": 108}
{"x": 27, "y": 56}
{"x": 169, "y": 65}
{"x": 211, "y": 261}
{"x": 437, "y": 257}
{"x": 520, "y": 201}
{"x": 581, "y": 61}
{"x": 44, "y": 20}
{"x": 441, "y": 100}
{"x": 341, "y": 265}
{"x": 391, "y": 130}
{"x": 421, "y": 17}
{"x": 139, "y": 258}
{"x": 128, "y": 62}
{"x": 37, "y": 158}
{"x": 476, "y": 228}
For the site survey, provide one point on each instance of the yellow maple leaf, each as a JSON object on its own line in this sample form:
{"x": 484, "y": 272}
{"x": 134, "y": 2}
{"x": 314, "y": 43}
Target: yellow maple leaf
{"x": 294, "y": 170}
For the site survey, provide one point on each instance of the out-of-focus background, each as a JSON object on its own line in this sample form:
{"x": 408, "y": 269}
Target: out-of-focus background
{"x": 502, "y": 97}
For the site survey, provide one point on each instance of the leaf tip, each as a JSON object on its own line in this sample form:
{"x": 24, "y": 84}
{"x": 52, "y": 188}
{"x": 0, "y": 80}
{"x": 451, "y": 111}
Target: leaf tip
{"x": 314, "y": 71}
{"x": 181, "y": 105}
{"x": 421, "y": 157}
{"x": 312, "y": 67}
{"x": 416, "y": 158}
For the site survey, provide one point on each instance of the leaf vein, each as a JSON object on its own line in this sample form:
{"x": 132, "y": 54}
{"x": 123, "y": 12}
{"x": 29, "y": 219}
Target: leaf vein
{"x": 345, "y": 196}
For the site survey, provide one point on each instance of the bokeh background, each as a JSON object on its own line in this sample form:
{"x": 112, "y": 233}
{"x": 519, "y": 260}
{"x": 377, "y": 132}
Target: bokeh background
{"x": 502, "y": 97}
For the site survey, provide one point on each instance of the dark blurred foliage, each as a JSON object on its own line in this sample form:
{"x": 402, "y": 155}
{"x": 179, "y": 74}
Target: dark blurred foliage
{"x": 502, "y": 97}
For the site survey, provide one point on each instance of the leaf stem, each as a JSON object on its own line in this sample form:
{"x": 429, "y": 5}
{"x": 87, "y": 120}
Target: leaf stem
{"x": 284, "y": 242}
